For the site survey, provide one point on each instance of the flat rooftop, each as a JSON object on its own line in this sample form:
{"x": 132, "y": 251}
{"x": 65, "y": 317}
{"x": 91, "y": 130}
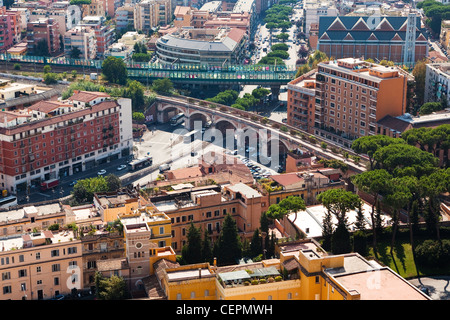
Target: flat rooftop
{"x": 188, "y": 274}
{"x": 310, "y": 220}
{"x": 380, "y": 284}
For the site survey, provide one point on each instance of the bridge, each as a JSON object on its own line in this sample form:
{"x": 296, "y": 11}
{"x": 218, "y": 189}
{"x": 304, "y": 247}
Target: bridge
{"x": 267, "y": 75}
{"x": 224, "y": 117}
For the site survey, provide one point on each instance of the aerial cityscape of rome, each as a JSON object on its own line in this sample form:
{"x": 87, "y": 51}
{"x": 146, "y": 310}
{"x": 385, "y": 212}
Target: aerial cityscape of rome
{"x": 236, "y": 150}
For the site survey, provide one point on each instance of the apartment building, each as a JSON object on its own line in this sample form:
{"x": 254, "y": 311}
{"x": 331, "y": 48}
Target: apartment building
{"x": 351, "y": 95}
{"x": 82, "y": 38}
{"x": 7, "y": 29}
{"x": 52, "y": 139}
{"x": 95, "y": 8}
{"x": 40, "y": 265}
{"x": 301, "y": 101}
{"x": 150, "y": 14}
{"x": 104, "y": 33}
{"x": 313, "y": 10}
{"x": 437, "y": 80}
{"x": 207, "y": 206}
{"x": 44, "y": 30}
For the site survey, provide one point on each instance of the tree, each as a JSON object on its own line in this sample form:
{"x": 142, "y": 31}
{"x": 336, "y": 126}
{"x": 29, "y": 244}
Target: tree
{"x": 50, "y": 78}
{"x": 41, "y": 48}
{"x": 279, "y": 53}
{"x": 283, "y": 36}
{"x": 338, "y": 203}
{"x": 207, "y": 253}
{"x": 135, "y": 91}
{"x": 113, "y": 288}
{"x": 256, "y": 244}
{"x": 370, "y": 144}
{"x": 374, "y": 183}
{"x": 404, "y": 159}
{"x": 163, "y": 86}
{"x": 279, "y": 46}
{"x": 84, "y": 189}
{"x": 260, "y": 93}
{"x": 75, "y": 53}
{"x": 192, "y": 250}
{"x": 47, "y": 69}
{"x": 291, "y": 204}
{"x": 227, "y": 97}
{"x": 139, "y": 117}
{"x": 430, "y": 107}
{"x": 419, "y": 73}
{"x": 229, "y": 246}
{"x": 115, "y": 70}
{"x": 113, "y": 182}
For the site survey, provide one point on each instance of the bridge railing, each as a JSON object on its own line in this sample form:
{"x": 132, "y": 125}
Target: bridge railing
{"x": 258, "y": 120}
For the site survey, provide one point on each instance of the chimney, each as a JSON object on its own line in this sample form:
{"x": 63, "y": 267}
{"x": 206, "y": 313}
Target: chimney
{"x": 199, "y": 273}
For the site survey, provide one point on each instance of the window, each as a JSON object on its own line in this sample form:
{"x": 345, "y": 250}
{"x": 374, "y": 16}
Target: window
{"x": 55, "y": 253}
{"x": 6, "y": 275}
{"x": 161, "y": 230}
{"x": 72, "y": 250}
{"x": 56, "y": 267}
{"x": 22, "y": 273}
{"x": 7, "y": 289}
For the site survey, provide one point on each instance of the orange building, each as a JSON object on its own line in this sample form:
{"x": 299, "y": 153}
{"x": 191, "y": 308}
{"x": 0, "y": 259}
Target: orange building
{"x": 351, "y": 95}
{"x": 207, "y": 206}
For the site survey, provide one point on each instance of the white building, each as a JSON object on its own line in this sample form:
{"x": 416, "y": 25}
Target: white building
{"x": 313, "y": 10}
{"x": 437, "y": 82}
{"x": 82, "y": 38}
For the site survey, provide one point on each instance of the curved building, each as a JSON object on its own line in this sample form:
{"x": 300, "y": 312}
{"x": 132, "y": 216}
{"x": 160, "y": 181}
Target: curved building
{"x": 203, "y": 46}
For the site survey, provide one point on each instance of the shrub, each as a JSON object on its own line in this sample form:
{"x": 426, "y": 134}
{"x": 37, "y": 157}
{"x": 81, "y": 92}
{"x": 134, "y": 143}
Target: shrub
{"x": 255, "y": 282}
{"x": 284, "y": 128}
{"x": 16, "y": 66}
{"x": 431, "y": 253}
{"x": 278, "y": 278}
{"x": 54, "y": 227}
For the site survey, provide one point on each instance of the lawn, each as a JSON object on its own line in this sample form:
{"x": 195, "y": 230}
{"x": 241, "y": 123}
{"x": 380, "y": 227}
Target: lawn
{"x": 402, "y": 259}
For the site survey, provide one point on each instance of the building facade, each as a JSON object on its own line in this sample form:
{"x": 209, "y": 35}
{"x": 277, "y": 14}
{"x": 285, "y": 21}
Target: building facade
{"x": 202, "y": 46}
{"x": 61, "y": 138}
{"x": 82, "y": 38}
{"x": 367, "y": 37}
{"x": 351, "y": 95}
{"x": 104, "y": 33}
{"x": 46, "y": 31}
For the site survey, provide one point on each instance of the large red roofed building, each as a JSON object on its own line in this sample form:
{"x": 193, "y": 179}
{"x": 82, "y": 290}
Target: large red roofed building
{"x": 54, "y": 139}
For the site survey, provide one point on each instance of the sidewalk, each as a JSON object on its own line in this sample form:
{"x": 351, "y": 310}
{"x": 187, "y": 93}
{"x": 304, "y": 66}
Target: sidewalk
{"x": 438, "y": 286}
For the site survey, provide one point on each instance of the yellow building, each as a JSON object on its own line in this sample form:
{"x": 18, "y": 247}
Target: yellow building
{"x": 110, "y": 205}
{"x": 304, "y": 271}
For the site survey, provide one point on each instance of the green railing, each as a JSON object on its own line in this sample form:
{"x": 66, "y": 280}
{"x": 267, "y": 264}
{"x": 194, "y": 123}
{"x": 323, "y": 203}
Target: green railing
{"x": 173, "y": 71}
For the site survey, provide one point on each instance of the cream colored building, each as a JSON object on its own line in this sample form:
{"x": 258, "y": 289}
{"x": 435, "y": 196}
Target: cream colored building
{"x": 40, "y": 265}
{"x": 149, "y": 14}
{"x": 82, "y": 38}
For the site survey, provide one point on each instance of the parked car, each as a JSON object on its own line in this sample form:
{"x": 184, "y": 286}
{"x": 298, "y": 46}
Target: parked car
{"x": 101, "y": 172}
{"x": 74, "y": 182}
{"x": 121, "y": 167}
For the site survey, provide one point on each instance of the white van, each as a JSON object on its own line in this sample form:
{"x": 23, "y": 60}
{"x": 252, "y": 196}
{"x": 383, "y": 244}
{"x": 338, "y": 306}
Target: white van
{"x": 164, "y": 167}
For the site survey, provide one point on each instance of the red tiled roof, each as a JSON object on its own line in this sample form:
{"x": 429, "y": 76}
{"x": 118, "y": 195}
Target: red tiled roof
{"x": 286, "y": 179}
{"x": 47, "y": 106}
{"x": 87, "y": 96}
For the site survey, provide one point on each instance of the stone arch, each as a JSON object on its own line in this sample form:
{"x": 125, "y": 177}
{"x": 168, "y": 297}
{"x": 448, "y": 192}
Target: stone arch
{"x": 167, "y": 111}
{"x": 197, "y": 116}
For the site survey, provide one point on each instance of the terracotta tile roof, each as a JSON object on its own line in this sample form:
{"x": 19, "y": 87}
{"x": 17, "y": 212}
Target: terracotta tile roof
{"x": 47, "y": 106}
{"x": 54, "y": 120}
{"x": 286, "y": 179}
{"x": 87, "y": 96}
{"x": 394, "y": 123}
